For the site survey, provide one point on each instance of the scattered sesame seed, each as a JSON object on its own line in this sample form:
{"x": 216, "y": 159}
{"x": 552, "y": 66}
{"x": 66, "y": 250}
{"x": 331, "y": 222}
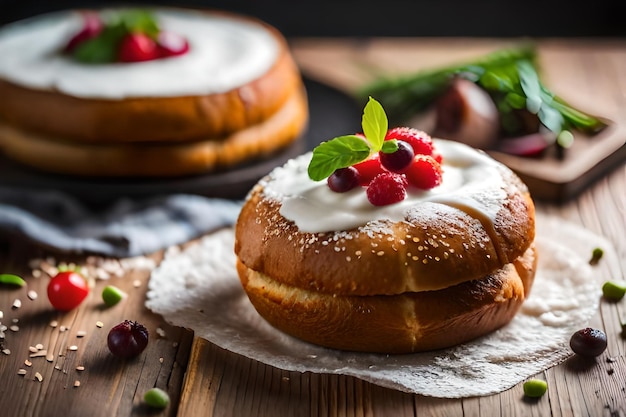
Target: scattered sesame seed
{"x": 22, "y": 371}
{"x": 17, "y": 303}
{"x": 54, "y": 323}
{"x": 160, "y": 360}
{"x": 38, "y": 376}
{"x": 39, "y": 346}
{"x": 63, "y": 328}
{"x": 38, "y": 354}
{"x": 415, "y": 258}
{"x": 32, "y": 295}
{"x": 80, "y": 368}
{"x": 136, "y": 283}
{"x": 14, "y": 328}
{"x": 1, "y": 315}
{"x": 424, "y": 261}
{"x": 36, "y": 273}
{"x": 160, "y": 332}
{"x": 50, "y": 357}
{"x": 32, "y": 349}
{"x": 77, "y": 383}
{"x": 81, "y": 333}
{"x": 348, "y": 258}
{"x": 28, "y": 363}
{"x": 6, "y": 351}
{"x": 99, "y": 324}
{"x": 73, "y": 347}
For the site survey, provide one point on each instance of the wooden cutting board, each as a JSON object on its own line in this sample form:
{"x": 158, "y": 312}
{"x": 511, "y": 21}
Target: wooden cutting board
{"x": 588, "y": 77}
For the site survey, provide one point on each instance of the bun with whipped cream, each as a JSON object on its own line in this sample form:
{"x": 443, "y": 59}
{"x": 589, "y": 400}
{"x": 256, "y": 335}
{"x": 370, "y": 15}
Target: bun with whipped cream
{"x": 235, "y": 95}
{"x": 441, "y": 267}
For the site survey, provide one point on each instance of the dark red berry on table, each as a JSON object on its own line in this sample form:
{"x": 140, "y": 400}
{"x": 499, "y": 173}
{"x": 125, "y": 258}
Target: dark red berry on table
{"x": 344, "y": 179}
{"x": 424, "y": 173}
{"x": 421, "y": 142}
{"x": 387, "y": 188}
{"x": 128, "y": 339}
{"x": 92, "y": 26}
{"x": 399, "y": 160}
{"x": 171, "y": 44}
{"x": 137, "y": 47}
{"x": 66, "y": 290}
{"x": 369, "y": 168}
{"x": 588, "y": 342}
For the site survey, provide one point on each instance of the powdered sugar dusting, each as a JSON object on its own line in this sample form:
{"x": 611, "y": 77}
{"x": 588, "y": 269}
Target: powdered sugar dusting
{"x": 198, "y": 288}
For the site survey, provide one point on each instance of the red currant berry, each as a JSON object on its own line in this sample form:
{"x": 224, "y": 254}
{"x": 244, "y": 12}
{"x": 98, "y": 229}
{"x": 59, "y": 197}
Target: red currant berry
{"x": 369, "y": 168}
{"x": 424, "y": 173}
{"x": 92, "y": 26}
{"x": 66, "y": 290}
{"x": 137, "y": 47}
{"x": 588, "y": 342}
{"x": 344, "y": 179}
{"x": 128, "y": 339}
{"x": 387, "y": 188}
{"x": 399, "y": 160}
{"x": 421, "y": 142}
{"x": 171, "y": 44}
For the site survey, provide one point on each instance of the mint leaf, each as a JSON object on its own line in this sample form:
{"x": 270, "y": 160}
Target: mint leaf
{"x": 340, "y": 152}
{"x": 389, "y": 146}
{"x": 140, "y": 21}
{"x": 102, "y": 48}
{"x": 374, "y": 124}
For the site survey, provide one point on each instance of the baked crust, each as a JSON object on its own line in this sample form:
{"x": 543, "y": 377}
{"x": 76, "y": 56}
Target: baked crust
{"x": 189, "y": 118}
{"x": 434, "y": 247}
{"x": 159, "y": 159}
{"x": 403, "y": 323}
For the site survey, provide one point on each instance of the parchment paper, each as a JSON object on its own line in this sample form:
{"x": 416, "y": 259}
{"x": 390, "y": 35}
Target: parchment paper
{"x": 198, "y": 289}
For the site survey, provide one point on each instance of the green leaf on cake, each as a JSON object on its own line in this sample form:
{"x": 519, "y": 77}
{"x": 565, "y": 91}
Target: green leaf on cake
{"x": 341, "y": 152}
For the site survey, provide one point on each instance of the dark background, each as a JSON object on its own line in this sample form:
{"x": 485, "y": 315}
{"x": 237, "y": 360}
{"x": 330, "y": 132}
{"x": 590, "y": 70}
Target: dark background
{"x": 482, "y": 18}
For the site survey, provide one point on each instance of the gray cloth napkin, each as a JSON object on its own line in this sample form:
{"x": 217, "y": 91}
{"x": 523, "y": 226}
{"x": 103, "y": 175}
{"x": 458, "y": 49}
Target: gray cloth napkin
{"x": 123, "y": 229}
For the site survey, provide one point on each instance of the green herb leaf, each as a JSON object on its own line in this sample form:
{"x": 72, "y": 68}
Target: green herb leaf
{"x": 390, "y": 146}
{"x": 340, "y": 152}
{"x": 140, "y": 21}
{"x": 102, "y": 48}
{"x": 375, "y": 124}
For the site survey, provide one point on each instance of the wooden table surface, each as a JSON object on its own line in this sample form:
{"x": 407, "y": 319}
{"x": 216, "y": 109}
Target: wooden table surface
{"x": 71, "y": 372}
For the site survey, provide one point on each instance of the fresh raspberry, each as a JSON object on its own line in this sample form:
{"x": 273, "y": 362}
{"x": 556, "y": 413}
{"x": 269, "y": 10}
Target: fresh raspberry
{"x": 437, "y": 156}
{"x": 136, "y": 47}
{"x": 421, "y": 142}
{"x": 424, "y": 172}
{"x": 369, "y": 168}
{"x": 387, "y": 188}
{"x": 92, "y": 26}
{"x": 171, "y": 44}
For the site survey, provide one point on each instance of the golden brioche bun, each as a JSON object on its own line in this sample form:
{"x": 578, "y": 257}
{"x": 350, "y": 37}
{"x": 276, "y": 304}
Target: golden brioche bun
{"x": 402, "y": 323}
{"x": 445, "y": 273}
{"x": 154, "y": 119}
{"x": 157, "y": 159}
{"x": 436, "y": 247}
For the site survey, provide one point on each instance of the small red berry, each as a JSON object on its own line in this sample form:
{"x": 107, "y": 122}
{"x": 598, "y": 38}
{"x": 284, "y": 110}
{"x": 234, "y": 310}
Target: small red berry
{"x": 344, "y": 179}
{"x": 92, "y": 26}
{"x": 66, "y": 290}
{"x": 369, "y": 168}
{"x": 127, "y": 339}
{"x": 171, "y": 44}
{"x": 424, "y": 173}
{"x": 421, "y": 142}
{"x": 137, "y": 47}
{"x": 387, "y": 188}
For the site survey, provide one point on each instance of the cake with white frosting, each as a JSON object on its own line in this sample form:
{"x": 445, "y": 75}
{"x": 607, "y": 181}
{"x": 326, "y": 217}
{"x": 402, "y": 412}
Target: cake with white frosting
{"x": 233, "y": 95}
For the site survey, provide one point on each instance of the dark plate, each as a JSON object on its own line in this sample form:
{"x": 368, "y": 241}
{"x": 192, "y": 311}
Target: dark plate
{"x": 332, "y": 113}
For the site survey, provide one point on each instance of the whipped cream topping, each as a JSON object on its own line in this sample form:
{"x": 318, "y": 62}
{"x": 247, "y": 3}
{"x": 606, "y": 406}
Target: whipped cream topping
{"x": 471, "y": 182}
{"x": 225, "y": 53}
